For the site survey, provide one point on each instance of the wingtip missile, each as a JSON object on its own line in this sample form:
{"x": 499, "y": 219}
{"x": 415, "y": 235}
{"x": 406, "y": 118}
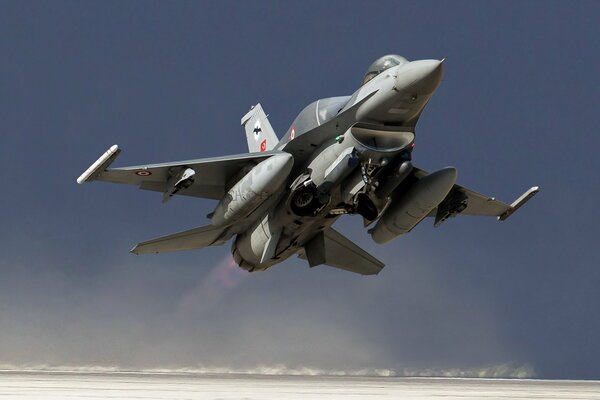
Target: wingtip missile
{"x": 525, "y": 197}
{"x": 100, "y": 164}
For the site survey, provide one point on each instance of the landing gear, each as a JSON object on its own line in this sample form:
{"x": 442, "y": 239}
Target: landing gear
{"x": 365, "y": 207}
{"x": 305, "y": 201}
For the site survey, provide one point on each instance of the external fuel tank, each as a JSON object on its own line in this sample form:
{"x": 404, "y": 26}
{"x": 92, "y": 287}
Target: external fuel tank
{"x": 263, "y": 180}
{"x": 408, "y": 209}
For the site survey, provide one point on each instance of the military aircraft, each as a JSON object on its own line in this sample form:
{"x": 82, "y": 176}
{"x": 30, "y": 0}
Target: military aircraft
{"x": 341, "y": 155}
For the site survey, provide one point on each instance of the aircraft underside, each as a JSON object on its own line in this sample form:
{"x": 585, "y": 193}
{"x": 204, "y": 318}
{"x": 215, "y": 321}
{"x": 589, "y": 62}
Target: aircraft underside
{"x": 341, "y": 155}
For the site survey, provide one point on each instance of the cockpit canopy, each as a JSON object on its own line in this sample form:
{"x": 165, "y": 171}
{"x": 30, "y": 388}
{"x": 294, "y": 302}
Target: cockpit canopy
{"x": 383, "y": 63}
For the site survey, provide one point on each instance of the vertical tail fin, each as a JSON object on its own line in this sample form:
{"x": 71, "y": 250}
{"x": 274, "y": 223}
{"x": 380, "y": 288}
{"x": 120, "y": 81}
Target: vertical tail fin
{"x": 259, "y": 133}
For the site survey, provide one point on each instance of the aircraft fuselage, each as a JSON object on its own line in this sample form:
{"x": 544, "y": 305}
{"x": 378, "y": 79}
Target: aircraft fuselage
{"x": 314, "y": 196}
{"x": 341, "y": 155}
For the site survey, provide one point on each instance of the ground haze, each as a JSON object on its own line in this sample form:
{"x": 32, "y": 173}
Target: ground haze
{"x": 29, "y": 385}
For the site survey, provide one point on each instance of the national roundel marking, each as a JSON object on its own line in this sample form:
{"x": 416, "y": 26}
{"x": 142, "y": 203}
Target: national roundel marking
{"x": 292, "y": 134}
{"x": 143, "y": 173}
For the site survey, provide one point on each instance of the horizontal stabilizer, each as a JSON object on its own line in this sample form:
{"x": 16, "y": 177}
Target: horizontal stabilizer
{"x": 196, "y": 238}
{"x": 332, "y": 248}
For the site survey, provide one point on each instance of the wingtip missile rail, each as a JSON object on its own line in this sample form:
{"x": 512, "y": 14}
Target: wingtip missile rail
{"x": 525, "y": 197}
{"x": 100, "y": 164}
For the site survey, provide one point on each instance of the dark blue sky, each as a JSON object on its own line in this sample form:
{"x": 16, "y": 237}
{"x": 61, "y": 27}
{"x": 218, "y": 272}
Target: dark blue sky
{"x": 170, "y": 80}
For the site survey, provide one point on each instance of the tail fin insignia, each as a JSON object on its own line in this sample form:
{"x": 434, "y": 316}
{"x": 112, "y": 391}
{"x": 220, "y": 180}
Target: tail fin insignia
{"x": 259, "y": 133}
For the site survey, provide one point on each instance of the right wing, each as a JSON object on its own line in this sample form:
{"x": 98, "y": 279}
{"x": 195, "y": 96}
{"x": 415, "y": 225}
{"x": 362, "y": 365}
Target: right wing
{"x": 211, "y": 175}
{"x": 332, "y": 248}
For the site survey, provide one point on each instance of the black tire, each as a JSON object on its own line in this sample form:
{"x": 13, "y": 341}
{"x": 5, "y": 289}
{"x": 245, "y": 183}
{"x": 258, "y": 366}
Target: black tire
{"x": 304, "y": 202}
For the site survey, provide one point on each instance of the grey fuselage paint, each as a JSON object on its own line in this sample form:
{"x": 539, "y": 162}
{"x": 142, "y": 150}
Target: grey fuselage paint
{"x": 395, "y": 98}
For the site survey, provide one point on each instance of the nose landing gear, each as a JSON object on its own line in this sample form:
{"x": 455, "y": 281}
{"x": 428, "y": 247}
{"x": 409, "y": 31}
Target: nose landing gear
{"x": 365, "y": 207}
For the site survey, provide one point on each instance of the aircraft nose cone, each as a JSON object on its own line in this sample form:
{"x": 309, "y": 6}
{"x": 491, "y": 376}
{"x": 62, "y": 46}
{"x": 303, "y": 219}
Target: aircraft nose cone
{"x": 420, "y": 77}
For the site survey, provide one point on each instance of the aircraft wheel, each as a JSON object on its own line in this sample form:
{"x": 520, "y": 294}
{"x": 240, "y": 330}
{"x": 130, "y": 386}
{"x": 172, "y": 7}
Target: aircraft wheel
{"x": 304, "y": 202}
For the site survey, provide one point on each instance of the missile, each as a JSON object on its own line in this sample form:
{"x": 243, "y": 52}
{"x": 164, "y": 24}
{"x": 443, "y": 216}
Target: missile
{"x": 100, "y": 165}
{"x": 408, "y": 209}
{"x": 339, "y": 169}
{"x": 262, "y": 181}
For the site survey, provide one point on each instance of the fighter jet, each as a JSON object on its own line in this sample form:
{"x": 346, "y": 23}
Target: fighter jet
{"x": 341, "y": 155}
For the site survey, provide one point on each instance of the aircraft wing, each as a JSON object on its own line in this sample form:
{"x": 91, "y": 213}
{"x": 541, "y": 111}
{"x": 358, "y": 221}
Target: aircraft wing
{"x": 332, "y": 248}
{"x": 196, "y": 238}
{"x": 474, "y": 203}
{"x": 209, "y": 180}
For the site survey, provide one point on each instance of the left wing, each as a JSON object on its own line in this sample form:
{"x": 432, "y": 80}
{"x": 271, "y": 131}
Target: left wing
{"x": 462, "y": 200}
{"x": 331, "y": 248}
{"x": 206, "y": 177}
